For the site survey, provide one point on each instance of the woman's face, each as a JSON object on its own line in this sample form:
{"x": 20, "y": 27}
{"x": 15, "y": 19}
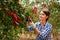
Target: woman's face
{"x": 42, "y": 16}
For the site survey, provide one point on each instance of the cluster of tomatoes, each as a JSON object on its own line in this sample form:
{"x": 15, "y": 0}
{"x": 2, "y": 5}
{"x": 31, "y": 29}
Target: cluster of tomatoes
{"x": 34, "y": 10}
{"x": 14, "y": 16}
{"x": 28, "y": 18}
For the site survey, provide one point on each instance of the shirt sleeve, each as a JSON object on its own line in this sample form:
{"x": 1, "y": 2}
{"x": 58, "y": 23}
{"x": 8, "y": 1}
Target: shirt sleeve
{"x": 45, "y": 31}
{"x": 30, "y": 28}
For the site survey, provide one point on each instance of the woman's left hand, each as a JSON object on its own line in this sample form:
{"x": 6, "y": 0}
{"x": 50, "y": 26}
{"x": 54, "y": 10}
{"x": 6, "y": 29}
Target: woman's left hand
{"x": 32, "y": 24}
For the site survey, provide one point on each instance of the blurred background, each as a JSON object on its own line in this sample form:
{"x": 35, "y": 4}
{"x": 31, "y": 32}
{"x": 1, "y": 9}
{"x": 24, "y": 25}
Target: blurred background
{"x": 15, "y": 14}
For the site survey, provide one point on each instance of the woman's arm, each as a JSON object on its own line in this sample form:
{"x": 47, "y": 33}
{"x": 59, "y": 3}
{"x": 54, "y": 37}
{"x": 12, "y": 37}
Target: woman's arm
{"x": 36, "y": 31}
{"x": 29, "y": 28}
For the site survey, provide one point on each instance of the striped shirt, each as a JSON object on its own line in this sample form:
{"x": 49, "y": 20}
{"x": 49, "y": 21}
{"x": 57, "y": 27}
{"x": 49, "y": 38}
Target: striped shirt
{"x": 45, "y": 32}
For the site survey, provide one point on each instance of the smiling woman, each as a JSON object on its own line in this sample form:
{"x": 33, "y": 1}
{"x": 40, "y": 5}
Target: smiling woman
{"x": 44, "y": 14}
{"x": 43, "y": 27}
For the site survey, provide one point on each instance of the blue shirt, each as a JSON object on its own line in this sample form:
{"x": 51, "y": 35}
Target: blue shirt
{"x": 45, "y": 32}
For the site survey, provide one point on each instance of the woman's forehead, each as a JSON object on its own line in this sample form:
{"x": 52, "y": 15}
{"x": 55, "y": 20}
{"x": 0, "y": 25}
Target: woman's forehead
{"x": 41, "y": 12}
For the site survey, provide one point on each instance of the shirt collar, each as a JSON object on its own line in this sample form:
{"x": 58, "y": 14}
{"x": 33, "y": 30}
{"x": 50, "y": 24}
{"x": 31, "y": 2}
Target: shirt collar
{"x": 44, "y": 24}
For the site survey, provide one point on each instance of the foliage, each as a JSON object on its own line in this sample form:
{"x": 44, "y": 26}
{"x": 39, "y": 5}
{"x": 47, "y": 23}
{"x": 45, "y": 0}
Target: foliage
{"x": 15, "y": 14}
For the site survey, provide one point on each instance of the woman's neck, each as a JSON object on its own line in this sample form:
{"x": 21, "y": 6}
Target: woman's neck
{"x": 42, "y": 23}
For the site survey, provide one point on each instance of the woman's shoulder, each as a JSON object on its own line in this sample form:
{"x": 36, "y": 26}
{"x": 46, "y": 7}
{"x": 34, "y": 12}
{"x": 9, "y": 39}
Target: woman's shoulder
{"x": 49, "y": 24}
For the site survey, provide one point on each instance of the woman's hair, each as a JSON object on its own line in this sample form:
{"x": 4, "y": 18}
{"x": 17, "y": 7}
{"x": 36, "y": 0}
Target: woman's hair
{"x": 46, "y": 12}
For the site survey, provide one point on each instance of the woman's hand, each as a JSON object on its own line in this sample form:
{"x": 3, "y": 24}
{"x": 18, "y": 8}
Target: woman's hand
{"x": 36, "y": 31}
{"x": 32, "y": 24}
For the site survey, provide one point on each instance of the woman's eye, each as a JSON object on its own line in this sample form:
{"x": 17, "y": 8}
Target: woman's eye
{"x": 41, "y": 14}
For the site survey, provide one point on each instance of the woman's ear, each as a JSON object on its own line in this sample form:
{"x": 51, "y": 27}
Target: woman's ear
{"x": 46, "y": 17}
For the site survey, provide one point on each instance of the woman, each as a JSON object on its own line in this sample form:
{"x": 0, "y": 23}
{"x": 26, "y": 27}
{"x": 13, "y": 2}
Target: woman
{"x": 43, "y": 27}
